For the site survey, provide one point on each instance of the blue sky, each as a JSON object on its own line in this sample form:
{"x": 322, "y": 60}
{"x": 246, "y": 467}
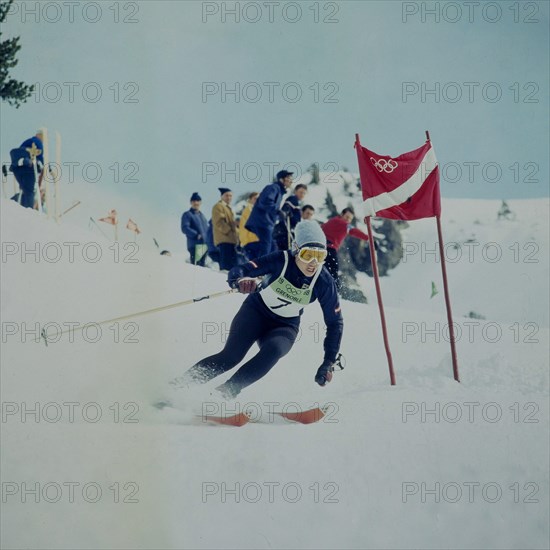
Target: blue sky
{"x": 363, "y": 61}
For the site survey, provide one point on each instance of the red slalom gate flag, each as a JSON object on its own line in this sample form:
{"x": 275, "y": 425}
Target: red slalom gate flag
{"x": 401, "y": 188}
{"x": 111, "y": 218}
{"x": 132, "y": 226}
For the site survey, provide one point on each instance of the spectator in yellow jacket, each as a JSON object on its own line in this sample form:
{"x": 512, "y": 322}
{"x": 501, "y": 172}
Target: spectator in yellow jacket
{"x": 249, "y": 240}
{"x": 225, "y": 229}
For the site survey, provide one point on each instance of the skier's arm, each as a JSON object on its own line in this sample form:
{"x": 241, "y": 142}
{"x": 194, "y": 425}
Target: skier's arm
{"x": 260, "y": 266}
{"x": 330, "y": 304}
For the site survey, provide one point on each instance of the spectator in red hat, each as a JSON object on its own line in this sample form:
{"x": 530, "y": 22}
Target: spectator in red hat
{"x": 336, "y": 230}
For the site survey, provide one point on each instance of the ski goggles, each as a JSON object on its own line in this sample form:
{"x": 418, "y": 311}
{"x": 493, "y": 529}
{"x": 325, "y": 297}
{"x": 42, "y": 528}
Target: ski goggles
{"x": 308, "y": 254}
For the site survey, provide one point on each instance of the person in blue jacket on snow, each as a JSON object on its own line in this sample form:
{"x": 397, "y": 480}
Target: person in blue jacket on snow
{"x": 267, "y": 211}
{"x": 270, "y": 315}
{"x": 195, "y": 227}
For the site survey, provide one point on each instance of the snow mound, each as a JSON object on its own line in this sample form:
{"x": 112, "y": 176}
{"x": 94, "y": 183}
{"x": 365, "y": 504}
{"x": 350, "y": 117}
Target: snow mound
{"x": 420, "y": 464}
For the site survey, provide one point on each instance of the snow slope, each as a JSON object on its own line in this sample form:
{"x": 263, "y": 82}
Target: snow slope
{"x": 364, "y": 478}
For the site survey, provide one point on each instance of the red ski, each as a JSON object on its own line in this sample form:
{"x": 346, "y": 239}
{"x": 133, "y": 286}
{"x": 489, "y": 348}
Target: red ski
{"x": 309, "y": 416}
{"x": 238, "y": 420}
{"x": 304, "y": 417}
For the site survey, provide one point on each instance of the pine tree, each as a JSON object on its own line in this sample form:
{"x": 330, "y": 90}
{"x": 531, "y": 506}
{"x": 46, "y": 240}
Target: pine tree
{"x": 11, "y": 90}
{"x": 314, "y": 171}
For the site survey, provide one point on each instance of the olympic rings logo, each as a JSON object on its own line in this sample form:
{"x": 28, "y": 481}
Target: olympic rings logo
{"x": 292, "y": 290}
{"x": 383, "y": 165}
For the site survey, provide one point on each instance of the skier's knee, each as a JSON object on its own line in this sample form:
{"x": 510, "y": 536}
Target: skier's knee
{"x": 277, "y": 349}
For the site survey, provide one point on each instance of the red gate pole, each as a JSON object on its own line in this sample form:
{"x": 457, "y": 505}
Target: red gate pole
{"x": 446, "y": 288}
{"x": 377, "y": 285}
{"x": 380, "y": 304}
{"x": 447, "y": 301}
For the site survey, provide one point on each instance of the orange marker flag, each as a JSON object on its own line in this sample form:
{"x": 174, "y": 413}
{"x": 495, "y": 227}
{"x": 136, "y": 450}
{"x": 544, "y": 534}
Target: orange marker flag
{"x": 132, "y": 226}
{"x": 111, "y": 218}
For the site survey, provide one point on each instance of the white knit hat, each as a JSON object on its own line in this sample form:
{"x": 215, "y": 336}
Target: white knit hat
{"x": 309, "y": 232}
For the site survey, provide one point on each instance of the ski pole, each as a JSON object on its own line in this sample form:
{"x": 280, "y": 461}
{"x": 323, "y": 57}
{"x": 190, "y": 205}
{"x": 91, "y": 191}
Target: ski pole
{"x": 100, "y": 230}
{"x": 146, "y": 312}
{"x": 4, "y": 180}
{"x": 69, "y": 209}
{"x": 288, "y": 233}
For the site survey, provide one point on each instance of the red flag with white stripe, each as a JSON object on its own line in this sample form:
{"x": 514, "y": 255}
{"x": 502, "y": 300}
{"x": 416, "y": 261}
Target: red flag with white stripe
{"x": 401, "y": 188}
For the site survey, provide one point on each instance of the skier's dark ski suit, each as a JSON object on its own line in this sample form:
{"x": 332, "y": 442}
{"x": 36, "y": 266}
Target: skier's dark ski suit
{"x": 271, "y": 317}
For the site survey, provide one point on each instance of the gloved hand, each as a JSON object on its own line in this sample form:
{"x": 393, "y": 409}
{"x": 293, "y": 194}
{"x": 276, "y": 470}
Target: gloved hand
{"x": 324, "y": 373}
{"x": 247, "y": 285}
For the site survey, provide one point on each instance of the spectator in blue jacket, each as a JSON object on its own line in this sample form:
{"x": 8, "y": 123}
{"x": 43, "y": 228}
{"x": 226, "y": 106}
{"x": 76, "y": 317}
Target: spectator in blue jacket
{"x": 213, "y": 250}
{"x": 266, "y": 211}
{"x": 23, "y": 170}
{"x": 292, "y": 205}
{"x": 195, "y": 228}
{"x": 291, "y": 214}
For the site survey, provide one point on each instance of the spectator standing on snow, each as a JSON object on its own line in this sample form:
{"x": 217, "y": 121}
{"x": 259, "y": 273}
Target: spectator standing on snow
{"x": 225, "y": 229}
{"x": 336, "y": 230}
{"x": 266, "y": 211}
{"x": 195, "y": 227}
{"x": 249, "y": 241}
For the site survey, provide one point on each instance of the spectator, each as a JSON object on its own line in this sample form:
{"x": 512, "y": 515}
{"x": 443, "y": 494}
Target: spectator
{"x": 249, "y": 240}
{"x": 266, "y": 211}
{"x": 213, "y": 250}
{"x": 308, "y": 212}
{"x": 225, "y": 229}
{"x": 291, "y": 215}
{"x": 336, "y": 230}
{"x": 291, "y": 207}
{"x": 23, "y": 169}
{"x": 195, "y": 228}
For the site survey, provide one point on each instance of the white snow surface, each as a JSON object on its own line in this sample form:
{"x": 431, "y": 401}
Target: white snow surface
{"x": 362, "y": 478}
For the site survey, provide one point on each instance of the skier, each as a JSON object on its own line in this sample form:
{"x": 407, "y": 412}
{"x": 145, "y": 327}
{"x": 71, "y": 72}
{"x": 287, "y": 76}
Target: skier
{"x": 195, "y": 227}
{"x": 336, "y": 230}
{"x": 270, "y": 316}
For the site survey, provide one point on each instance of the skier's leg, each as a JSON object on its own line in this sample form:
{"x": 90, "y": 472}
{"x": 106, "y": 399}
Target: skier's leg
{"x": 246, "y": 327}
{"x": 274, "y": 345}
